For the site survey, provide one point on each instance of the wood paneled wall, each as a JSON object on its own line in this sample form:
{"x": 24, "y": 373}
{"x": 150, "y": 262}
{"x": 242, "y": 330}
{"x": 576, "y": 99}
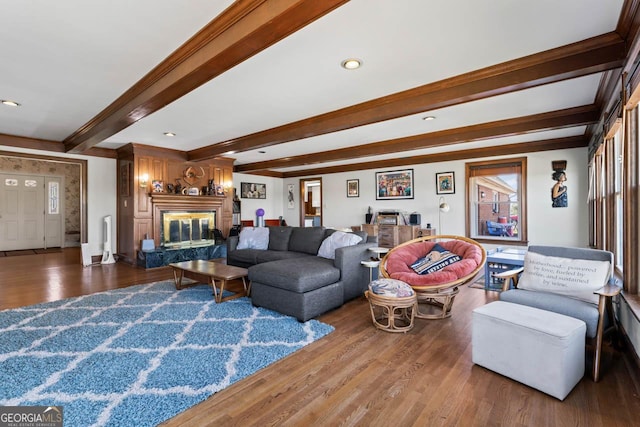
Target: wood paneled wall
{"x": 135, "y": 208}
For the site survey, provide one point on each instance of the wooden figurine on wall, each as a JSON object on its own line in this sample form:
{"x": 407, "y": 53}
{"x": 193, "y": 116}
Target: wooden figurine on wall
{"x": 559, "y": 190}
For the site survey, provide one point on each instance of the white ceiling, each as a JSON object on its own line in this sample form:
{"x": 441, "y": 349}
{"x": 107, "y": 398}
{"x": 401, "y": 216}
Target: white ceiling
{"x": 65, "y": 61}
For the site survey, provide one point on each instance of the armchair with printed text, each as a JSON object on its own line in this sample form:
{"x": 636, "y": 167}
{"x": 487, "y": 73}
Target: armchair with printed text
{"x": 575, "y": 282}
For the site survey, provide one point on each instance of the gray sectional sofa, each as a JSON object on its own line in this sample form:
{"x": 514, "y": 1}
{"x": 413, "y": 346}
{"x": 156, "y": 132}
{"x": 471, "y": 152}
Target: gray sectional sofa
{"x": 289, "y": 276}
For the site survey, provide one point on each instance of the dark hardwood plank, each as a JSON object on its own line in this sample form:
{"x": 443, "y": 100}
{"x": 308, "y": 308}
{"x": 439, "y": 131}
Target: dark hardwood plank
{"x": 32, "y": 279}
{"x": 358, "y": 375}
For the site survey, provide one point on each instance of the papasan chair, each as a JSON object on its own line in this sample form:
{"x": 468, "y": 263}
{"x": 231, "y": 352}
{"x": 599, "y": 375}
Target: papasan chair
{"x": 442, "y": 272}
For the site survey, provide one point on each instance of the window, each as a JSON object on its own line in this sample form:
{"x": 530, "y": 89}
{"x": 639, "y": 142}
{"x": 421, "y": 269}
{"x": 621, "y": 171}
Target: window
{"x": 617, "y": 194}
{"x": 54, "y": 198}
{"x": 613, "y": 182}
{"x": 496, "y": 200}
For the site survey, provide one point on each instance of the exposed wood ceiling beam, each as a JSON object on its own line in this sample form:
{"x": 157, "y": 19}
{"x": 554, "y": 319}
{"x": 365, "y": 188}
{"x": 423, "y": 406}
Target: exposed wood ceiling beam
{"x": 577, "y": 116}
{"x": 574, "y": 60}
{"x": 475, "y": 153}
{"x": 48, "y": 145}
{"x": 243, "y": 30}
{"x": 33, "y": 143}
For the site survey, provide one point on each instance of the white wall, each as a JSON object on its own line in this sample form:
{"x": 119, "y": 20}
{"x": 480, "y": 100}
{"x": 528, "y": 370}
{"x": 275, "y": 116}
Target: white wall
{"x": 101, "y": 201}
{"x": 101, "y": 195}
{"x": 558, "y": 226}
{"x": 630, "y": 324}
{"x": 561, "y": 226}
{"x": 272, "y": 205}
{"x": 546, "y": 225}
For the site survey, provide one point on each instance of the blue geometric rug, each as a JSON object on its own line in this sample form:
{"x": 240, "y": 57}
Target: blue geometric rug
{"x": 138, "y": 355}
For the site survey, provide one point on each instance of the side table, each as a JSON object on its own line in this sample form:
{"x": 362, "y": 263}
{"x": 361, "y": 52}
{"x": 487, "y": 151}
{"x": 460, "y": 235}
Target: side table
{"x": 371, "y": 265}
{"x": 378, "y": 251}
{"x": 374, "y": 262}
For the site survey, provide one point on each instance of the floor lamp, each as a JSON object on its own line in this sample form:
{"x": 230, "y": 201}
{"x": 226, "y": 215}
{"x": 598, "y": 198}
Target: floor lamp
{"x": 442, "y": 208}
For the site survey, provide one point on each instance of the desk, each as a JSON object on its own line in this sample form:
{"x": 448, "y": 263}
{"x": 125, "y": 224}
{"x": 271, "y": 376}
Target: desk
{"x": 498, "y": 262}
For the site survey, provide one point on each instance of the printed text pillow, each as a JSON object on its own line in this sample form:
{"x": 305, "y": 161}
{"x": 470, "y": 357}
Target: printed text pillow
{"x": 435, "y": 260}
{"x": 576, "y": 278}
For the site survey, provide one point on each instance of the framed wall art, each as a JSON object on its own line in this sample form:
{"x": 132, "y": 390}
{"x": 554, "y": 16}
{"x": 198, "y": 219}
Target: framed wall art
{"x": 445, "y": 183}
{"x": 353, "y": 188}
{"x": 393, "y": 185}
{"x": 249, "y": 190}
{"x": 290, "y": 197}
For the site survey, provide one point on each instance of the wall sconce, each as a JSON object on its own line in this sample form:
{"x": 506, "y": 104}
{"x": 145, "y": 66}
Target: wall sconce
{"x": 482, "y": 194}
{"x": 143, "y": 180}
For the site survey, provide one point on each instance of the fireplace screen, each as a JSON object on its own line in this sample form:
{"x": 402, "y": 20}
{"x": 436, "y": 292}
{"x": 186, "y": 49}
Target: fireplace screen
{"x": 187, "y": 228}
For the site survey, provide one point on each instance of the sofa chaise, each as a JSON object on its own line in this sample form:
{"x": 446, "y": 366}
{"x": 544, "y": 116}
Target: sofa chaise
{"x": 288, "y": 276}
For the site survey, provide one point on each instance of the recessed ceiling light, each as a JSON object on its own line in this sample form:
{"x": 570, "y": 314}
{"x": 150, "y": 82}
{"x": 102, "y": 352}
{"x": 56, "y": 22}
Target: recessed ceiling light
{"x": 10, "y": 103}
{"x": 429, "y": 118}
{"x": 169, "y": 134}
{"x": 351, "y": 64}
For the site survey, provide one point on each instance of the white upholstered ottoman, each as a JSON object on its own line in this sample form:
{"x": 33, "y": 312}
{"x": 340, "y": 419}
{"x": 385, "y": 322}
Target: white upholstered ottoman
{"x": 539, "y": 348}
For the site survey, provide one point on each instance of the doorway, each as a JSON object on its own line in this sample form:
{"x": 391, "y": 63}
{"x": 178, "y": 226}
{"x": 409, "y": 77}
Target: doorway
{"x": 31, "y": 212}
{"x": 311, "y": 202}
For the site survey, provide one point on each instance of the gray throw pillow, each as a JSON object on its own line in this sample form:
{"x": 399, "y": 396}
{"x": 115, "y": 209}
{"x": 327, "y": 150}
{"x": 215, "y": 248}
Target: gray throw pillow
{"x": 279, "y": 238}
{"x": 306, "y": 239}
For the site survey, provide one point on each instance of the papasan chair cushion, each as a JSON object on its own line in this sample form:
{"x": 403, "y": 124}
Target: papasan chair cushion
{"x": 399, "y": 261}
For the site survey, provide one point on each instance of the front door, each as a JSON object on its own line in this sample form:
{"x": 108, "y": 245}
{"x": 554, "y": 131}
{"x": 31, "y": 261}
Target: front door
{"x": 29, "y": 217}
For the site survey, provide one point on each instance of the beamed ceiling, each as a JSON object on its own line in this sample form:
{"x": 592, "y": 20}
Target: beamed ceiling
{"x": 261, "y": 81}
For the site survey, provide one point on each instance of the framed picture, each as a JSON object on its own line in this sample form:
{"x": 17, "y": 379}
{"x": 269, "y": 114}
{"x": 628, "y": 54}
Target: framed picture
{"x": 158, "y": 186}
{"x": 353, "y": 188}
{"x": 445, "y": 183}
{"x": 249, "y": 190}
{"x": 393, "y": 185}
{"x": 193, "y": 191}
{"x": 290, "y": 196}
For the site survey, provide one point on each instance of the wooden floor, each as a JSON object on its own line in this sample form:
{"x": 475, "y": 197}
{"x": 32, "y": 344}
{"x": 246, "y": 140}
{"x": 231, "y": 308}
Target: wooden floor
{"x": 358, "y": 375}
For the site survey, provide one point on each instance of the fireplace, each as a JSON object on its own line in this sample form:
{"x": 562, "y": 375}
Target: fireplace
{"x": 187, "y": 228}
{"x": 185, "y": 221}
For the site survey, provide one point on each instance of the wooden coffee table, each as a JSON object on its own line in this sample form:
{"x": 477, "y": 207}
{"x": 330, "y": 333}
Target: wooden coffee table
{"x": 213, "y": 271}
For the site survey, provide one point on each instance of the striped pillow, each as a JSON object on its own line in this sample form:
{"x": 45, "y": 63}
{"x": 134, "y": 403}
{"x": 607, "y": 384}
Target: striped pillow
{"x": 435, "y": 260}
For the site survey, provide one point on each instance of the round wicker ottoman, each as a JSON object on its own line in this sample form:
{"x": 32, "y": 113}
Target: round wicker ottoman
{"x": 393, "y": 305}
